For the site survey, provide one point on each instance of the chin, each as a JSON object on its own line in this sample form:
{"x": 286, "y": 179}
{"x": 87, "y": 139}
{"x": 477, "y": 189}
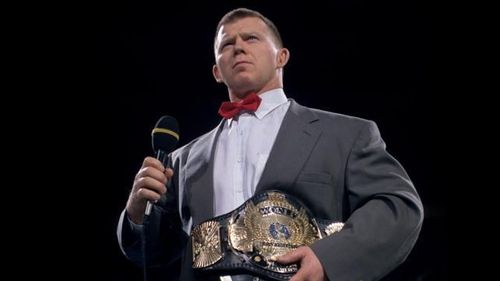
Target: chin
{"x": 244, "y": 84}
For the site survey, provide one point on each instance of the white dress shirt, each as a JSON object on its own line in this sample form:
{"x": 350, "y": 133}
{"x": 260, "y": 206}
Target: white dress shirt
{"x": 243, "y": 148}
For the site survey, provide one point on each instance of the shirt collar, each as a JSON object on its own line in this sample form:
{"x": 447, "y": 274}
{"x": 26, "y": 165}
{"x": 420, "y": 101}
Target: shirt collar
{"x": 270, "y": 101}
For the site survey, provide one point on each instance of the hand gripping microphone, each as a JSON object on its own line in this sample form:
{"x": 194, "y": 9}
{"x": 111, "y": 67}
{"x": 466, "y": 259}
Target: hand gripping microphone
{"x": 164, "y": 136}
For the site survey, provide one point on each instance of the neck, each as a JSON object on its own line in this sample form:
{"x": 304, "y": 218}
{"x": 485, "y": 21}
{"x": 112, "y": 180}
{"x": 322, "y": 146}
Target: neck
{"x": 237, "y": 95}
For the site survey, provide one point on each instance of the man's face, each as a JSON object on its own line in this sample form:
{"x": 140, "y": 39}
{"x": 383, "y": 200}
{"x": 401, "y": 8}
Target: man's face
{"x": 246, "y": 55}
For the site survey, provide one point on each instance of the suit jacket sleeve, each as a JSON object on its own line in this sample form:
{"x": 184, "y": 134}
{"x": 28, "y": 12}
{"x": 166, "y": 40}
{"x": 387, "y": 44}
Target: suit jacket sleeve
{"x": 160, "y": 241}
{"x": 385, "y": 214}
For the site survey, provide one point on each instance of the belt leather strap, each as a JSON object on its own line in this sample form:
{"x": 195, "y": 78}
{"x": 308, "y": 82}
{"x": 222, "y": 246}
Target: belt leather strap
{"x": 269, "y": 224}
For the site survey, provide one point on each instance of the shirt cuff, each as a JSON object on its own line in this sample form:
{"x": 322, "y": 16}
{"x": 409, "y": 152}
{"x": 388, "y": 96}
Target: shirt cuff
{"x": 135, "y": 228}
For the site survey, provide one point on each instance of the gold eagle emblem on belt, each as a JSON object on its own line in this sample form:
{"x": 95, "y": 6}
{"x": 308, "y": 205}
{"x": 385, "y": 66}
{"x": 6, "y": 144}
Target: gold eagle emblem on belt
{"x": 269, "y": 224}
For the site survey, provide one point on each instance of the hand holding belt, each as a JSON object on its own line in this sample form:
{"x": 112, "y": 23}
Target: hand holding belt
{"x": 243, "y": 241}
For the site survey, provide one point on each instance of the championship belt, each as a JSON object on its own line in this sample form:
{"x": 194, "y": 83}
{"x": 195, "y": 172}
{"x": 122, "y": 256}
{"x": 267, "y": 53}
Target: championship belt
{"x": 243, "y": 241}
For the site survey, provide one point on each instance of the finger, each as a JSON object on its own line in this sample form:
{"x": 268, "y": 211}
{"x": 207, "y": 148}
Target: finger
{"x": 301, "y": 275}
{"x": 152, "y": 172}
{"x": 169, "y": 173}
{"x": 291, "y": 257}
{"x": 153, "y": 162}
{"x": 149, "y": 183}
{"x": 148, "y": 194}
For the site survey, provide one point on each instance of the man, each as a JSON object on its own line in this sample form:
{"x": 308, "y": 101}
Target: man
{"x": 336, "y": 165}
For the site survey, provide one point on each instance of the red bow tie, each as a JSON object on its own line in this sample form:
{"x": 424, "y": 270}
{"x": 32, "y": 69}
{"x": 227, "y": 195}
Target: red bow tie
{"x": 230, "y": 109}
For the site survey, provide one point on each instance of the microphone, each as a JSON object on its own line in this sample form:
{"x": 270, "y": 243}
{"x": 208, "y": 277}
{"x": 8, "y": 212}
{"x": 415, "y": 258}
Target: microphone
{"x": 164, "y": 136}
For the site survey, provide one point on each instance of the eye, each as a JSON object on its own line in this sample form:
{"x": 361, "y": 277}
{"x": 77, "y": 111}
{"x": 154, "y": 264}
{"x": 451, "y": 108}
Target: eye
{"x": 226, "y": 44}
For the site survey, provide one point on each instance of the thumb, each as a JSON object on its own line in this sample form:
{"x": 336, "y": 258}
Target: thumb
{"x": 290, "y": 257}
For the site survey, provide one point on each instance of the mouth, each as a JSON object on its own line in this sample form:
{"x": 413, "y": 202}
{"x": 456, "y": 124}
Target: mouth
{"x": 240, "y": 63}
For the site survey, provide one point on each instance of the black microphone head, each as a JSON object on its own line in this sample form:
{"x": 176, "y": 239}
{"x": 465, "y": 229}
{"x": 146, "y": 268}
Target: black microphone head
{"x": 165, "y": 134}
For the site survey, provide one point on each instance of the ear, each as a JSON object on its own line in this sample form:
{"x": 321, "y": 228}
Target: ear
{"x": 216, "y": 73}
{"x": 282, "y": 57}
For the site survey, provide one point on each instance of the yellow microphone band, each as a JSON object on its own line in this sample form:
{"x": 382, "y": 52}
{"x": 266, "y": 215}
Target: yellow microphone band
{"x": 166, "y": 131}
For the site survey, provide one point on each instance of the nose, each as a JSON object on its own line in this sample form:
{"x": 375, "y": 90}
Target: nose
{"x": 239, "y": 46}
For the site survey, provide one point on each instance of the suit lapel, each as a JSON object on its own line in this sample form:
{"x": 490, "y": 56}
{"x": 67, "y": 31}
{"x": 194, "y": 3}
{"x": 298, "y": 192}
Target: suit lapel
{"x": 286, "y": 159}
{"x": 294, "y": 143}
{"x": 199, "y": 176}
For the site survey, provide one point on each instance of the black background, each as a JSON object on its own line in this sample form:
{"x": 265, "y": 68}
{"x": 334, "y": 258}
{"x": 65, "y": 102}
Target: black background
{"x": 135, "y": 61}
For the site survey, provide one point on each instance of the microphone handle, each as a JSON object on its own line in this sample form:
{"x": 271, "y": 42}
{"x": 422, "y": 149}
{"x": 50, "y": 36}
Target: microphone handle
{"x": 162, "y": 156}
{"x": 149, "y": 206}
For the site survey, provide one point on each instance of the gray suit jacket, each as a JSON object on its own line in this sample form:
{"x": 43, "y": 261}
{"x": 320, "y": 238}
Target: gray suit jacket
{"x": 336, "y": 164}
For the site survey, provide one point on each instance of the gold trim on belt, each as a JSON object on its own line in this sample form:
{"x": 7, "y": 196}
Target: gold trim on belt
{"x": 271, "y": 225}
